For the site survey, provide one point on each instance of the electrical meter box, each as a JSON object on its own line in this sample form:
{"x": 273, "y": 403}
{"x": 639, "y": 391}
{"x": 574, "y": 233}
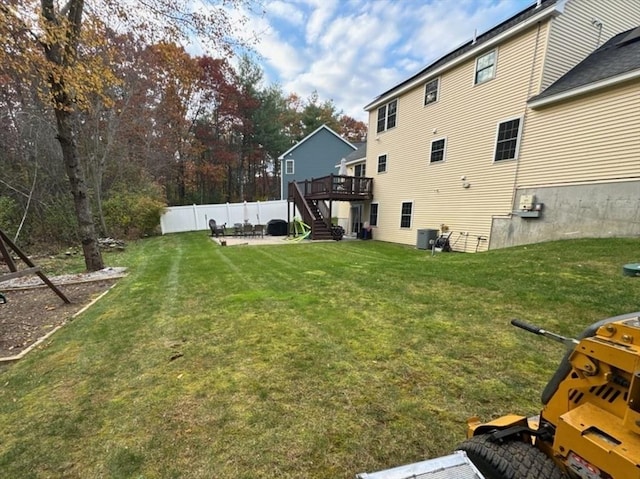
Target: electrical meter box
{"x": 526, "y": 202}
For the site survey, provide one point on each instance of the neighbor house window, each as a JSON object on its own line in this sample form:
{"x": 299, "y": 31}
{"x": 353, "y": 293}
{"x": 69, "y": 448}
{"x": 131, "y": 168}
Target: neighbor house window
{"x": 373, "y": 214}
{"x": 387, "y": 116}
{"x": 405, "y": 214}
{"x": 437, "y": 150}
{"x": 359, "y": 170}
{"x": 431, "y": 91}
{"x": 288, "y": 167}
{"x": 485, "y": 67}
{"x": 382, "y": 163}
{"x": 508, "y": 140}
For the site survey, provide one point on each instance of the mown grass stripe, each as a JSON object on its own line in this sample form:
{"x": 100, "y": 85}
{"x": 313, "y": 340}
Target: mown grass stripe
{"x": 314, "y": 360}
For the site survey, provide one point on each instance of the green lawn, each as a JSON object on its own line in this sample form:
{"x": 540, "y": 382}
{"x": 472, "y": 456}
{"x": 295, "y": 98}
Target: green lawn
{"x": 299, "y": 360}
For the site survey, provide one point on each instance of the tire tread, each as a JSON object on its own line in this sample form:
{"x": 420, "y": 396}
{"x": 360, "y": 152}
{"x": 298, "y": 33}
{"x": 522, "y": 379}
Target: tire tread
{"x": 510, "y": 460}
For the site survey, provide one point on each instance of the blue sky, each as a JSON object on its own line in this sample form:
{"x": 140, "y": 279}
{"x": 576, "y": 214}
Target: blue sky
{"x": 350, "y": 51}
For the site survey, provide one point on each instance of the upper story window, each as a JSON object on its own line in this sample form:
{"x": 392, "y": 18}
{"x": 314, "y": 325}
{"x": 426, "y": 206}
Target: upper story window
{"x": 485, "y": 67}
{"x": 387, "y": 116}
{"x": 431, "y": 91}
{"x": 508, "y": 140}
{"x": 373, "y": 214}
{"x": 405, "y": 214}
{"x": 289, "y": 167}
{"x": 382, "y": 163}
{"x": 437, "y": 150}
{"x": 359, "y": 170}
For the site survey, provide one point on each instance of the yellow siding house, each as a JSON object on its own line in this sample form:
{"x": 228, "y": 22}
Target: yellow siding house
{"x": 469, "y": 141}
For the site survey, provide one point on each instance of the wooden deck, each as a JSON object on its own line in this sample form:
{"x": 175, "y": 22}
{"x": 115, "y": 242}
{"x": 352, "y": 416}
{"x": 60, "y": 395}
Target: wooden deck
{"x": 335, "y": 188}
{"x": 313, "y": 199}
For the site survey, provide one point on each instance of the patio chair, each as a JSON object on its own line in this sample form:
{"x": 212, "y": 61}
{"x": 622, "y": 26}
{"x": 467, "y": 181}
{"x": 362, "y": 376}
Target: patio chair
{"x": 247, "y": 229}
{"x": 258, "y": 230}
{"x": 216, "y": 230}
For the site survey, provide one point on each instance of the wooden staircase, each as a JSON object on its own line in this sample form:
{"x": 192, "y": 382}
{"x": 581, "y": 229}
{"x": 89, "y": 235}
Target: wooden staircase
{"x": 310, "y": 198}
{"x": 319, "y": 227}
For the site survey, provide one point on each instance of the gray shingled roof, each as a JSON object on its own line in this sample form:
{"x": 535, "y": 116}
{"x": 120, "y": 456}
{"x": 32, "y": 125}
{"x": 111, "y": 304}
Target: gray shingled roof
{"x": 495, "y": 31}
{"x": 359, "y": 154}
{"x": 621, "y": 54}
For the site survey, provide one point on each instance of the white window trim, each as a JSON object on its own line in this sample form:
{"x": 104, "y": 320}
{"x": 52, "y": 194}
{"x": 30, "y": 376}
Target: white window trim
{"x": 495, "y": 67}
{"x": 386, "y": 165}
{"x": 444, "y": 153}
{"x": 411, "y": 217}
{"x": 436, "y": 79}
{"x": 377, "y": 216}
{"x": 386, "y": 116}
{"x": 291, "y": 162}
{"x": 495, "y": 140}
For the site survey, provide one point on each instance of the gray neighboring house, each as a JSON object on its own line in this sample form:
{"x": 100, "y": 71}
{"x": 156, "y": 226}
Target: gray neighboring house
{"x": 314, "y": 156}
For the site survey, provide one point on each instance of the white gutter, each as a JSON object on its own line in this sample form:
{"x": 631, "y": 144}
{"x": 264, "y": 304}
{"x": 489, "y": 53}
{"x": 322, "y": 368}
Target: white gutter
{"x": 565, "y": 95}
{"x": 543, "y": 15}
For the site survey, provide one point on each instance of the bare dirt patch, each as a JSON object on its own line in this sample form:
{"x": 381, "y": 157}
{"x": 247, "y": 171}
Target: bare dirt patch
{"x": 33, "y": 311}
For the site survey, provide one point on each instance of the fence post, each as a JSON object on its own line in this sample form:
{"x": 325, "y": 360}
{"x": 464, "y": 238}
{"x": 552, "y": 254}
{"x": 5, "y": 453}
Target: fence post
{"x": 195, "y": 217}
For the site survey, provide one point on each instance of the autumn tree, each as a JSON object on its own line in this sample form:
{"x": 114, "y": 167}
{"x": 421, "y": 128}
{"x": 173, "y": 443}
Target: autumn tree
{"x": 351, "y": 129}
{"x": 214, "y": 131}
{"x": 303, "y": 117}
{"x": 272, "y": 139}
{"x": 60, "y": 43}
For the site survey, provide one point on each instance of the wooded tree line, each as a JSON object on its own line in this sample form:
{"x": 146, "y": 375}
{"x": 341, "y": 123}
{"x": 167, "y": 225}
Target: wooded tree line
{"x": 129, "y": 124}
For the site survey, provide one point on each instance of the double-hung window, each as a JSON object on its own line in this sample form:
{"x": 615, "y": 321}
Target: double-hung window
{"x": 382, "y": 163}
{"x": 373, "y": 214}
{"x": 289, "y": 167}
{"x": 359, "y": 170}
{"x": 405, "y": 214}
{"x": 485, "y": 67}
{"x": 508, "y": 140}
{"x": 437, "y": 150}
{"x": 387, "y": 116}
{"x": 431, "y": 91}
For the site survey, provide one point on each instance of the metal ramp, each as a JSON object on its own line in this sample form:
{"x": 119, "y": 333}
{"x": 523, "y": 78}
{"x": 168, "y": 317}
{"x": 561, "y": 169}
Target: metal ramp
{"x": 453, "y": 466}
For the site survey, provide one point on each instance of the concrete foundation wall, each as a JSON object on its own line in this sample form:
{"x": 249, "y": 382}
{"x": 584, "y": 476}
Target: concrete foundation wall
{"x": 576, "y": 211}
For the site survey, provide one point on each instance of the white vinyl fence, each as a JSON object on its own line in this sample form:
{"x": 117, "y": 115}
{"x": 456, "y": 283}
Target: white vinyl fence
{"x": 196, "y": 217}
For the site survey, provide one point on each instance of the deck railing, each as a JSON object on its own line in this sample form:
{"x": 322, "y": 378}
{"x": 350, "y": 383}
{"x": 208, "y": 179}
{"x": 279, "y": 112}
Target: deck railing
{"x": 339, "y": 187}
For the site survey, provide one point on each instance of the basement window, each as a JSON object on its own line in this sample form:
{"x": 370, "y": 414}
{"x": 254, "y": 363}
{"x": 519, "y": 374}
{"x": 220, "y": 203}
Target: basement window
{"x": 406, "y": 212}
{"x": 373, "y": 214}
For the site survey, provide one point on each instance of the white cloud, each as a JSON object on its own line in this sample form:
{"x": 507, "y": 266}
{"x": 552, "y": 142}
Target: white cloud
{"x": 323, "y": 11}
{"x": 350, "y": 51}
{"x": 285, "y": 11}
{"x": 281, "y": 56}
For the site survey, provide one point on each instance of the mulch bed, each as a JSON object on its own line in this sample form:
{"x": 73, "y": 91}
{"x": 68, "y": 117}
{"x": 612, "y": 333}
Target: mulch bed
{"x": 31, "y": 313}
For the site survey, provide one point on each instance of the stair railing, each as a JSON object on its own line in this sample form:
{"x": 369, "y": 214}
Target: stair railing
{"x": 301, "y": 203}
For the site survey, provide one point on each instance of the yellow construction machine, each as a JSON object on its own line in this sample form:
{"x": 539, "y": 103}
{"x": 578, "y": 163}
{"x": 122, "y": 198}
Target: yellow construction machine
{"x": 588, "y": 428}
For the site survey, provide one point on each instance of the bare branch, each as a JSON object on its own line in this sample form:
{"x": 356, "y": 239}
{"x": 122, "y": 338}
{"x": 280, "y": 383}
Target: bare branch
{"x": 10, "y": 13}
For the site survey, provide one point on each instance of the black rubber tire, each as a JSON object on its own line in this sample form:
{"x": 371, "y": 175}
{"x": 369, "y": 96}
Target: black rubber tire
{"x": 509, "y": 460}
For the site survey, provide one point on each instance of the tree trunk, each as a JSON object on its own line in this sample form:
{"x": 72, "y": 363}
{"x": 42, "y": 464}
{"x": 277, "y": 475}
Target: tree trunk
{"x": 62, "y": 52}
{"x": 86, "y": 228}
